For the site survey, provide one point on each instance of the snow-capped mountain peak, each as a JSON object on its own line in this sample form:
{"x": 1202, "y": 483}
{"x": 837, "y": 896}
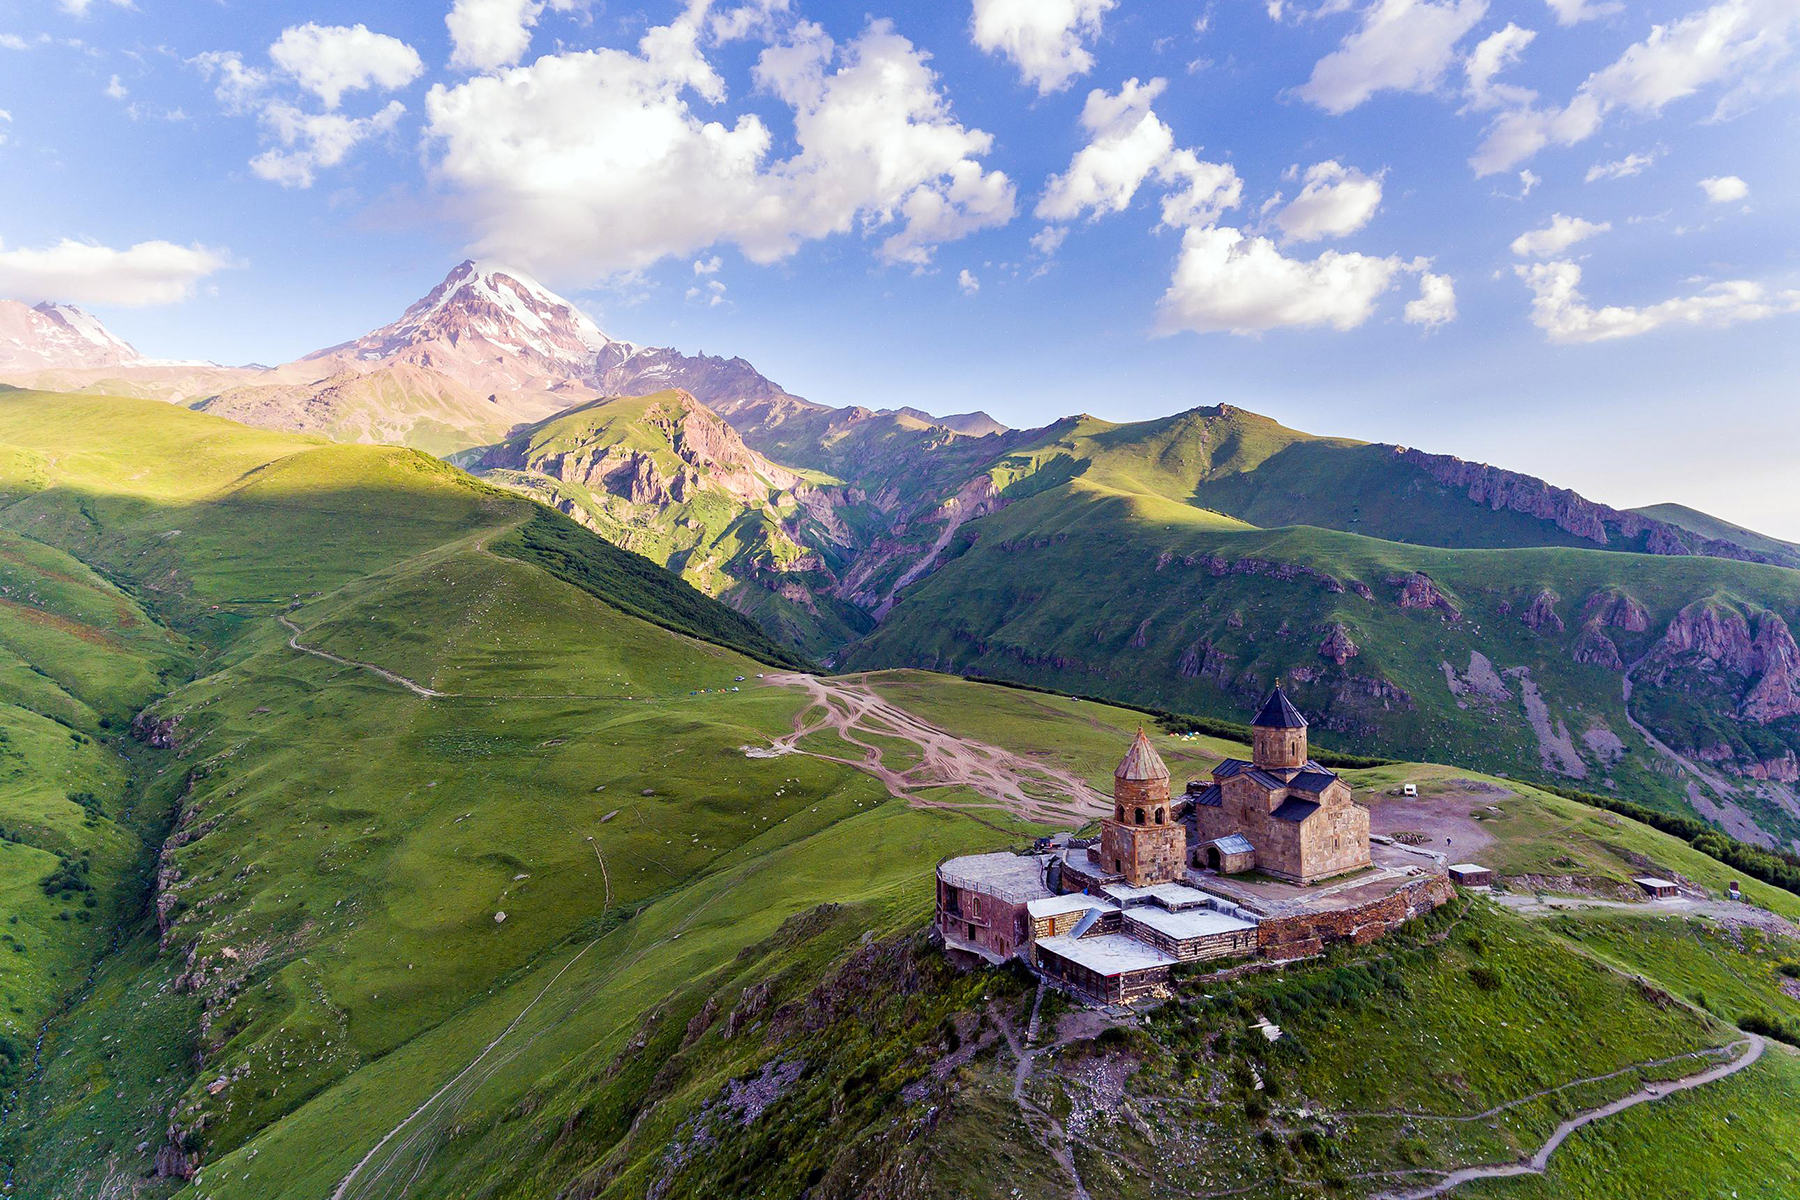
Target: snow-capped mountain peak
{"x": 58, "y": 336}
{"x": 485, "y": 311}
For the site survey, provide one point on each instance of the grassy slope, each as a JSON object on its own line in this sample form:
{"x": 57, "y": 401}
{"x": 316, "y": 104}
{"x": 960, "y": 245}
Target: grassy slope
{"x": 1709, "y": 526}
{"x": 719, "y": 543}
{"x": 349, "y": 844}
{"x": 1059, "y": 588}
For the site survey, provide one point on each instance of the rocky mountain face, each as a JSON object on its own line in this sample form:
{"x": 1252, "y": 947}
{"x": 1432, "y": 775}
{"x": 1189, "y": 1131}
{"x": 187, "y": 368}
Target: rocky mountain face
{"x": 57, "y": 336}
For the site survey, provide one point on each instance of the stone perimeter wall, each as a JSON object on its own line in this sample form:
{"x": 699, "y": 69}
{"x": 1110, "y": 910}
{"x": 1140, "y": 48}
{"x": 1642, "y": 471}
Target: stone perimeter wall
{"x": 1309, "y": 933}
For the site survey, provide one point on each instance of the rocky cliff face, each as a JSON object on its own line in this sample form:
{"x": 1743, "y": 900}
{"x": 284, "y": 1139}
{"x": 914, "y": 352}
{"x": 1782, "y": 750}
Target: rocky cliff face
{"x": 1570, "y": 511}
{"x": 1755, "y": 656}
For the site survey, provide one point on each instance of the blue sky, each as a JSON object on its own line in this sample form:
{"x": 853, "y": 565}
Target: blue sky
{"x": 1034, "y": 207}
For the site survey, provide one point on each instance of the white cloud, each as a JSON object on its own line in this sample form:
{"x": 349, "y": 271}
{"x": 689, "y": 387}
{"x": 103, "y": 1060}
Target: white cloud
{"x": 1130, "y": 144}
{"x": 590, "y": 163}
{"x": 1723, "y": 189}
{"x": 485, "y": 34}
{"x": 329, "y": 60}
{"x": 1528, "y": 180}
{"x": 756, "y": 17}
{"x": 1624, "y": 168}
{"x": 1561, "y": 233}
{"x": 708, "y": 266}
{"x": 1335, "y": 200}
{"x": 1228, "y": 281}
{"x": 79, "y": 8}
{"x": 967, "y": 282}
{"x": 1400, "y": 45}
{"x": 309, "y": 142}
{"x": 1436, "y": 304}
{"x": 1043, "y": 37}
{"x": 1562, "y": 312}
{"x": 1573, "y": 12}
{"x": 116, "y": 89}
{"x": 5, "y": 117}
{"x": 1731, "y": 42}
{"x": 12, "y": 41}
{"x": 238, "y": 85}
{"x": 154, "y": 272}
{"x": 1048, "y": 240}
{"x": 1492, "y": 55}
{"x": 712, "y": 295}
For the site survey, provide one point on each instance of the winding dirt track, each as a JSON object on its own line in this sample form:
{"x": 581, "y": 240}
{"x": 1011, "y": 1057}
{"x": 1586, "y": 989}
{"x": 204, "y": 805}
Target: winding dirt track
{"x": 1539, "y": 1162}
{"x": 1030, "y": 789}
{"x": 294, "y": 643}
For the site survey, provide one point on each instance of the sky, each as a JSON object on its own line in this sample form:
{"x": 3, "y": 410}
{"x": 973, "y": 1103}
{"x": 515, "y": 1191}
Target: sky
{"x": 1561, "y": 236}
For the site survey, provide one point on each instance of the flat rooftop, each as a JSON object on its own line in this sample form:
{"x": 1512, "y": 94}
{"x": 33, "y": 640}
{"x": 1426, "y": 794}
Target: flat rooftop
{"x": 1053, "y": 906}
{"x": 1190, "y": 923}
{"x": 1467, "y": 867}
{"x": 1169, "y": 895}
{"x": 1108, "y": 954}
{"x": 1014, "y": 878}
{"x": 1651, "y": 881}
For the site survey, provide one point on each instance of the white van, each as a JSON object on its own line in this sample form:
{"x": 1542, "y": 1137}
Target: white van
{"x": 1409, "y": 789}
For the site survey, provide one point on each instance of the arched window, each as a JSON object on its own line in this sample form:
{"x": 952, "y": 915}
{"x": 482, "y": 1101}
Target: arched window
{"x": 1118, "y": 812}
{"x": 1162, "y": 816}
{"x": 1140, "y": 816}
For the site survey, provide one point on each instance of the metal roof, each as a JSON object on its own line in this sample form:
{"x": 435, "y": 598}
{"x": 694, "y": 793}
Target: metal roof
{"x": 1312, "y": 780}
{"x": 1278, "y": 713}
{"x": 1107, "y": 953}
{"x": 1233, "y": 843}
{"x": 1211, "y": 795}
{"x": 1296, "y": 810}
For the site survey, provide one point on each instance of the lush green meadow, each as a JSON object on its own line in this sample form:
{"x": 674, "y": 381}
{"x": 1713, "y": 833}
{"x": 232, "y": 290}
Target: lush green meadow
{"x": 525, "y": 927}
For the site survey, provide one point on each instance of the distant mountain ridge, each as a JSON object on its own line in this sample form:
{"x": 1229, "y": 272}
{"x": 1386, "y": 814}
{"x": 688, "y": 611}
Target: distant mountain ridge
{"x": 35, "y": 337}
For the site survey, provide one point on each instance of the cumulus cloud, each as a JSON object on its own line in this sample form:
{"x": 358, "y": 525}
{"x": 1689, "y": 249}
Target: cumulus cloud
{"x": 1564, "y": 314}
{"x": 1335, "y": 200}
{"x": 329, "y": 60}
{"x": 1573, "y": 12}
{"x": 1044, "y": 38}
{"x": 1129, "y": 144}
{"x": 966, "y": 280}
{"x": 1723, "y": 189}
{"x": 1399, "y": 45}
{"x": 307, "y": 143}
{"x": 1048, "y": 240}
{"x": 80, "y": 8}
{"x": 155, "y": 272}
{"x": 1527, "y": 180}
{"x": 711, "y": 295}
{"x": 1492, "y": 55}
{"x": 485, "y": 34}
{"x": 708, "y": 266}
{"x": 1436, "y": 304}
{"x": 1624, "y": 168}
{"x": 591, "y": 163}
{"x": 117, "y": 89}
{"x": 1226, "y": 280}
{"x": 1561, "y": 233}
{"x": 1731, "y": 42}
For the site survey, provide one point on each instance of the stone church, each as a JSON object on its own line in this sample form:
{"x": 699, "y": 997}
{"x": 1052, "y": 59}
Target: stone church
{"x": 1280, "y": 813}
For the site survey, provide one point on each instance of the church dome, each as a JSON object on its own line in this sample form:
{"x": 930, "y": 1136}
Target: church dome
{"x": 1141, "y": 761}
{"x": 1279, "y": 713}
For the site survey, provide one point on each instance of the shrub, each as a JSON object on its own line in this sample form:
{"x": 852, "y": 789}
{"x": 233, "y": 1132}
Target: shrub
{"x": 1485, "y": 978}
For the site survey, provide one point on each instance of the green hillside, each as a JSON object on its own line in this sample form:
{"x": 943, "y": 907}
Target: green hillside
{"x": 1188, "y": 562}
{"x": 1709, "y": 526}
{"x": 667, "y": 479}
{"x": 437, "y": 864}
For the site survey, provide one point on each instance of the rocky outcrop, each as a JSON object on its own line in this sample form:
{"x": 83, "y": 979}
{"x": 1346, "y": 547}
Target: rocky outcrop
{"x": 1616, "y": 609}
{"x": 1418, "y": 591}
{"x": 1540, "y": 614}
{"x": 158, "y": 732}
{"x": 1597, "y": 649}
{"x": 1203, "y": 660}
{"x": 1568, "y": 511}
{"x": 1337, "y": 645}
{"x": 1716, "y": 639}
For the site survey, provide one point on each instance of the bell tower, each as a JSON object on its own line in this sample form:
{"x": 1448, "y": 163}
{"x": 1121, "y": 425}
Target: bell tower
{"x": 1141, "y": 840}
{"x": 1278, "y": 735}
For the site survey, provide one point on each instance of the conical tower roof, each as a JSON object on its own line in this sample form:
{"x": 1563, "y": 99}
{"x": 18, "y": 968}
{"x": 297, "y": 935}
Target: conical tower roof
{"x": 1141, "y": 761}
{"x": 1278, "y": 713}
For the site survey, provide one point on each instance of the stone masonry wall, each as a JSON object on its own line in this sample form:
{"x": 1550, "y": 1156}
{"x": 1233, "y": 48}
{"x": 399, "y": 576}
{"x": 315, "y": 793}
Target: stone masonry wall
{"x": 1308, "y": 933}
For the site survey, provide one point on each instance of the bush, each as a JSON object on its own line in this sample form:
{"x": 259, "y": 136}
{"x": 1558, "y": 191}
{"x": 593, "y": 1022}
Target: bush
{"x": 1485, "y": 978}
{"x": 1771, "y": 1026}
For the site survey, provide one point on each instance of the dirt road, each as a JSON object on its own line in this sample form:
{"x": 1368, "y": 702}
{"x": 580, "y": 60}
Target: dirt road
{"x": 418, "y": 689}
{"x": 1539, "y": 1162}
{"x": 1029, "y": 789}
